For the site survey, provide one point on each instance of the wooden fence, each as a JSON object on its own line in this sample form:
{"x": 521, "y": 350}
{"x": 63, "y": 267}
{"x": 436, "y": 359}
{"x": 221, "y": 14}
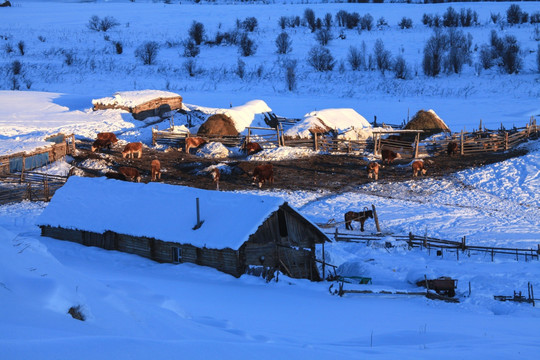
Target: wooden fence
{"x": 440, "y": 246}
{"x": 30, "y": 185}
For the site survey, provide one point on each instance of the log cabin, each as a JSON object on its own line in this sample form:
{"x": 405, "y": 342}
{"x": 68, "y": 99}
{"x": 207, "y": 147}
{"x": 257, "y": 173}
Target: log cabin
{"x": 231, "y": 232}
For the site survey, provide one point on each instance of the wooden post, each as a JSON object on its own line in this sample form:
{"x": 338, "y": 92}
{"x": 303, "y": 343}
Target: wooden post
{"x": 492, "y": 255}
{"x": 376, "y": 218}
{"x": 22, "y": 169}
{"x": 277, "y": 133}
{"x": 336, "y": 237}
{"x": 480, "y": 126}
{"x": 416, "y": 145}
{"x": 323, "y": 263}
{"x": 461, "y": 143}
{"x": 282, "y": 135}
{"x": 505, "y": 140}
{"x": 249, "y": 135}
{"x": 463, "y": 246}
{"x": 315, "y": 142}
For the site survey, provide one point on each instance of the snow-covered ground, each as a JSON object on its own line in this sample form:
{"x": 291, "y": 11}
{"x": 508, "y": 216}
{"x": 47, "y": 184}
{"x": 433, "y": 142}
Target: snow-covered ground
{"x": 139, "y": 309}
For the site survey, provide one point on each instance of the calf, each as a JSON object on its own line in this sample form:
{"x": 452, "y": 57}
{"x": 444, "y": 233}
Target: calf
{"x": 130, "y": 173}
{"x": 373, "y": 170}
{"x": 452, "y": 148}
{"x": 107, "y": 136}
{"x": 100, "y": 144}
{"x": 252, "y": 148}
{"x": 418, "y": 166}
{"x": 263, "y": 173}
{"x": 193, "y": 142}
{"x": 215, "y": 176}
{"x": 361, "y": 217}
{"x": 388, "y": 156}
{"x": 156, "y": 169}
{"x": 131, "y": 149}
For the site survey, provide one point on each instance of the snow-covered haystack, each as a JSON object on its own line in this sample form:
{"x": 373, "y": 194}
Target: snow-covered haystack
{"x": 242, "y": 116}
{"x": 141, "y": 103}
{"x": 428, "y": 121}
{"x": 323, "y": 121}
{"x": 213, "y": 150}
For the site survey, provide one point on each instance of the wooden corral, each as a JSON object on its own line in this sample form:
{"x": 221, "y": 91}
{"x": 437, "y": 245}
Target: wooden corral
{"x": 283, "y": 241}
{"x": 61, "y": 145}
{"x": 154, "y": 107}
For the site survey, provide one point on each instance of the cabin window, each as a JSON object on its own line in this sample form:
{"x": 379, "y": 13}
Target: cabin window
{"x": 282, "y": 224}
{"x": 176, "y": 254}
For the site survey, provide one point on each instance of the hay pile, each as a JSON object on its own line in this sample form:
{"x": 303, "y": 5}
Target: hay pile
{"x": 428, "y": 121}
{"x": 218, "y": 124}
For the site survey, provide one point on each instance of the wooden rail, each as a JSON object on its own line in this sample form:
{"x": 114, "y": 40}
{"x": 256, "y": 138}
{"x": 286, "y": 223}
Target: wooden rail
{"x": 33, "y": 186}
{"x": 429, "y": 243}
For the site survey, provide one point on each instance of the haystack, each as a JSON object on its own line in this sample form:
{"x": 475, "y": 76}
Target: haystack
{"x": 428, "y": 121}
{"x": 218, "y": 124}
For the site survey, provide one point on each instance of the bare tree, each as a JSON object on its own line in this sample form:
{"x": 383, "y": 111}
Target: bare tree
{"x": 147, "y": 52}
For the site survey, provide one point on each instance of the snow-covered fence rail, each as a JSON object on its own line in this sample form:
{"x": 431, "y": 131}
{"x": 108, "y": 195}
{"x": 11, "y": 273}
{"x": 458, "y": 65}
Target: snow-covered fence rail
{"x": 33, "y": 186}
{"x": 441, "y": 245}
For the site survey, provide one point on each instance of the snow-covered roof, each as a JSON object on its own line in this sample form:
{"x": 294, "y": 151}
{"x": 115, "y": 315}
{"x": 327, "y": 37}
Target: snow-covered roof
{"x": 340, "y": 119}
{"x": 131, "y": 99}
{"x": 162, "y": 211}
{"x": 242, "y": 116}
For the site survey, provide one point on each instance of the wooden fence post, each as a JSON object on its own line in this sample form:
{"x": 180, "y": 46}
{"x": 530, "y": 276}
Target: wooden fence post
{"x": 282, "y": 135}
{"x": 22, "y": 169}
{"x": 416, "y": 145}
{"x": 461, "y": 143}
{"x": 315, "y": 142}
{"x": 249, "y": 135}
{"x": 505, "y": 140}
{"x": 376, "y": 218}
{"x": 323, "y": 263}
{"x": 463, "y": 246}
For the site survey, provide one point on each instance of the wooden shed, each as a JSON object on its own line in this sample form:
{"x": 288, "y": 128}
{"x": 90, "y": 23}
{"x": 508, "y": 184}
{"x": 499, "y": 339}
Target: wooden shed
{"x": 237, "y": 233}
{"x": 141, "y": 104}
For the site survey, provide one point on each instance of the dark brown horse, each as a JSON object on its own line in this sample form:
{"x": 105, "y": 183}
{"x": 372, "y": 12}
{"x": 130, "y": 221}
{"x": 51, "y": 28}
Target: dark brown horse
{"x": 361, "y": 217}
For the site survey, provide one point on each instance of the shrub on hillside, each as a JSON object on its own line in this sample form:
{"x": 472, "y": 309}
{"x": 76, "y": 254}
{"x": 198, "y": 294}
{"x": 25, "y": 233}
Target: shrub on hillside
{"x": 382, "y": 56}
{"x": 246, "y": 46}
{"x": 323, "y": 36}
{"x": 459, "y": 51}
{"x": 283, "y": 43}
{"x": 118, "y": 47}
{"x": 309, "y": 17}
{"x": 434, "y": 52}
{"x": 21, "y": 46}
{"x": 405, "y": 23}
{"x": 147, "y": 52}
{"x": 450, "y": 18}
{"x": 357, "y": 58}
{"x": 366, "y": 22}
{"x": 321, "y": 59}
{"x": 16, "y": 67}
{"x": 535, "y": 18}
{"x": 196, "y": 32}
{"x": 97, "y": 24}
{"x": 514, "y": 15}
{"x": 290, "y": 74}
{"x": 190, "y": 48}
{"x": 328, "y": 20}
{"x": 401, "y": 70}
{"x": 250, "y": 24}
{"x": 352, "y": 20}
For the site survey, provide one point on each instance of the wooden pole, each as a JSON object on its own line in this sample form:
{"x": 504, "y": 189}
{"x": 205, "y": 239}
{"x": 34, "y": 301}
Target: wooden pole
{"x": 277, "y": 134}
{"x": 249, "y": 135}
{"x": 505, "y": 140}
{"x": 416, "y": 144}
{"x": 461, "y": 143}
{"x": 376, "y": 218}
{"x": 316, "y": 144}
{"x": 463, "y": 246}
{"x": 22, "y": 169}
{"x": 323, "y": 263}
{"x": 282, "y": 135}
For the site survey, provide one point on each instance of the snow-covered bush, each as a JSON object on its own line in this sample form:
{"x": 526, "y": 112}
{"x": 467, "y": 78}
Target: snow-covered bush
{"x": 510, "y": 58}
{"x": 16, "y": 67}
{"x": 309, "y": 17}
{"x": 323, "y": 36}
{"x": 290, "y": 74}
{"x": 69, "y": 57}
{"x": 283, "y": 43}
{"x": 147, "y": 52}
{"x": 250, "y": 24}
{"x": 405, "y": 23}
{"x": 246, "y": 47}
{"x": 328, "y": 20}
{"x": 283, "y": 22}
{"x": 357, "y": 57}
{"x": 459, "y": 52}
{"x": 190, "y": 65}
{"x": 401, "y": 70}
{"x": 495, "y": 17}
{"x": 485, "y": 56}
{"x": 21, "y": 46}
{"x": 468, "y": 17}
{"x": 190, "y": 48}
{"x": 382, "y": 56}
{"x": 321, "y": 59}
{"x": 97, "y": 24}
{"x": 450, "y": 18}
{"x": 535, "y": 18}
{"x": 514, "y": 15}
{"x": 352, "y": 20}
{"x": 366, "y": 22}
{"x": 8, "y": 48}
{"x": 433, "y": 53}
{"x": 240, "y": 68}
{"x": 196, "y": 32}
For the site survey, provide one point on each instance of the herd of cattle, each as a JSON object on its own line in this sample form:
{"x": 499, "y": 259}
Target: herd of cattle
{"x": 261, "y": 173}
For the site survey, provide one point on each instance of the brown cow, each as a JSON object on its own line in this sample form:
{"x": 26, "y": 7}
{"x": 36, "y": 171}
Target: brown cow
{"x": 263, "y": 173}
{"x": 215, "y": 176}
{"x": 107, "y": 136}
{"x": 193, "y": 142}
{"x": 373, "y": 170}
{"x": 452, "y": 148}
{"x": 100, "y": 144}
{"x": 252, "y": 148}
{"x": 156, "y": 169}
{"x": 418, "y": 166}
{"x": 389, "y": 156}
{"x": 131, "y": 149}
{"x": 361, "y": 217}
{"x": 130, "y": 173}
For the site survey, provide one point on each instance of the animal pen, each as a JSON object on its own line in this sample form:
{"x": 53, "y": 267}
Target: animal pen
{"x": 469, "y": 143}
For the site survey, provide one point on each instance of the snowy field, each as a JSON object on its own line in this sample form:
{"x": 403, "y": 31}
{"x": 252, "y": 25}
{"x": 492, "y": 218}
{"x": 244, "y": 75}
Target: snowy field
{"x": 139, "y": 309}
